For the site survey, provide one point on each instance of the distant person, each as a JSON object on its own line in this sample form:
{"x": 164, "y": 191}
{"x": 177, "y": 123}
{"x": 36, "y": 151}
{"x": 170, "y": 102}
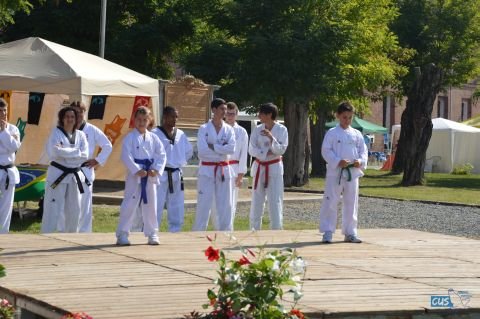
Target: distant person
{"x": 144, "y": 157}
{"x": 215, "y": 143}
{"x": 67, "y": 150}
{"x": 268, "y": 143}
{"x": 170, "y": 190}
{"x": 95, "y": 137}
{"x": 9, "y": 175}
{"x": 346, "y": 155}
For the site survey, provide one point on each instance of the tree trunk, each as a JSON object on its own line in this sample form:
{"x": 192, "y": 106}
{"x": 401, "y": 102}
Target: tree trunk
{"x": 296, "y": 115}
{"x": 417, "y": 125}
{"x": 308, "y": 154}
{"x": 317, "y": 131}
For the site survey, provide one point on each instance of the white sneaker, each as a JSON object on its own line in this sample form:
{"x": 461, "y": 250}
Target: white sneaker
{"x": 327, "y": 237}
{"x": 122, "y": 240}
{"x": 352, "y": 239}
{"x": 153, "y": 240}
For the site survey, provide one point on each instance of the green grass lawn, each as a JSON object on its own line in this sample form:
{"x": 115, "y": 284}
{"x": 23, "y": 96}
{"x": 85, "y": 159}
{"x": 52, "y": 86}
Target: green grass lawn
{"x": 462, "y": 189}
{"x": 106, "y": 220}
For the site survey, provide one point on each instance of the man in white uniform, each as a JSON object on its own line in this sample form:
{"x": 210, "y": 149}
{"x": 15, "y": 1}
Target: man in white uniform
{"x": 215, "y": 142}
{"x": 170, "y": 190}
{"x": 238, "y": 160}
{"x": 268, "y": 143}
{"x": 9, "y": 175}
{"x": 95, "y": 137}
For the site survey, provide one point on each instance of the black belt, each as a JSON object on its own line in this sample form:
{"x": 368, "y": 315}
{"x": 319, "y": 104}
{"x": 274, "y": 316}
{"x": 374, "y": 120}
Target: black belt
{"x": 169, "y": 171}
{"x": 5, "y": 168}
{"x": 70, "y": 170}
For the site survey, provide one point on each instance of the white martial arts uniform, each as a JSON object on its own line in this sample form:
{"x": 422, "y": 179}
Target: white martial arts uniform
{"x": 347, "y": 144}
{"x": 135, "y": 147}
{"x": 179, "y": 151}
{"x": 61, "y": 204}
{"x": 215, "y": 176}
{"x": 267, "y": 173}
{"x": 94, "y": 137}
{"x": 238, "y": 161}
{"x": 9, "y": 176}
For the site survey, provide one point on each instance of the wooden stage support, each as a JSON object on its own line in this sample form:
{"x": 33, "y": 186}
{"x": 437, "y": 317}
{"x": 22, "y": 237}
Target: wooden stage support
{"x": 393, "y": 274}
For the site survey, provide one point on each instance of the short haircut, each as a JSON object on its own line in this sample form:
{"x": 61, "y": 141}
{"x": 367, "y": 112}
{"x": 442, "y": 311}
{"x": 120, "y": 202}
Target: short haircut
{"x": 3, "y": 103}
{"x": 62, "y": 112}
{"x": 269, "y": 108}
{"x": 217, "y": 102}
{"x": 143, "y": 110}
{"x": 232, "y": 106}
{"x": 169, "y": 110}
{"x": 345, "y": 107}
{"x": 79, "y": 104}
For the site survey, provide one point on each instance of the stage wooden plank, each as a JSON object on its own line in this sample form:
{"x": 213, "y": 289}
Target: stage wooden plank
{"x": 394, "y": 272}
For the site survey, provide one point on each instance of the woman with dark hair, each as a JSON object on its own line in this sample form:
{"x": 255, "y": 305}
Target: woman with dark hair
{"x": 67, "y": 150}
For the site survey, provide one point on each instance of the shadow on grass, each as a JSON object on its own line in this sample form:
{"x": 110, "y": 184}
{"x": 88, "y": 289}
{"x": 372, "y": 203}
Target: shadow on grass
{"x": 455, "y": 182}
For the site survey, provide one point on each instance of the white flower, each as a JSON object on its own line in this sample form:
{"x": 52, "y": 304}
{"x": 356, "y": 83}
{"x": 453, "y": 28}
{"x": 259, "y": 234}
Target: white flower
{"x": 297, "y": 292}
{"x": 298, "y": 265}
{"x": 276, "y": 265}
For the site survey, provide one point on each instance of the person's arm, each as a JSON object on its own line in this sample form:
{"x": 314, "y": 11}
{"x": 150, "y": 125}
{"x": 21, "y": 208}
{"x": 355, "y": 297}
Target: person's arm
{"x": 280, "y": 143}
{"x": 160, "y": 156}
{"x": 243, "y": 144}
{"x": 202, "y": 143}
{"x": 328, "y": 152}
{"x": 105, "y": 145}
{"x": 10, "y": 143}
{"x": 57, "y": 148}
{"x": 253, "y": 148}
{"x": 362, "y": 152}
{"x": 229, "y": 146}
{"x": 188, "y": 148}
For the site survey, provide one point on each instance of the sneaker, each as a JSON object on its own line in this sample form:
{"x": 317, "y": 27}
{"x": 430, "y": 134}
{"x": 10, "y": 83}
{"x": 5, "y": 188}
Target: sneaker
{"x": 122, "y": 240}
{"x": 327, "y": 237}
{"x": 352, "y": 239}
{"x": 153, "y": 240}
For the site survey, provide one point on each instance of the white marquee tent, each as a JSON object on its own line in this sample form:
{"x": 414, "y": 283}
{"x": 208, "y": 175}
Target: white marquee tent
{"x": 38, "y": 65}
{"x": 452, "y": 144}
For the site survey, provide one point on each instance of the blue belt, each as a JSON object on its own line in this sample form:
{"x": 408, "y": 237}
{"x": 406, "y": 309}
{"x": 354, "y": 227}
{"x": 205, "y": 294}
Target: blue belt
{"x": 146, "y": 163}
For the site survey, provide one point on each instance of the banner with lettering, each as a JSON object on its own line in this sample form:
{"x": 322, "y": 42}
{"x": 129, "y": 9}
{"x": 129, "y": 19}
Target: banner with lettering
{"x": 35, "y": 104}
{"x": 139, "y": 101}
{"x": 97, "y": 107}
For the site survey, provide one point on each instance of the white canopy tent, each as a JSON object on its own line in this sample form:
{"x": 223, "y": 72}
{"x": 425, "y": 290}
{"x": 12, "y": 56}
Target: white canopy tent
{"x": 452, "y": 144}
{"x": 38, "y": 65}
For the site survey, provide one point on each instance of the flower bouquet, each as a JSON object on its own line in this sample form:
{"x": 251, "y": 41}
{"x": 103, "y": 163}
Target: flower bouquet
{"x": 7, "y": 311}
{"x": 253, "y": 285}
{"x": 77, "y": 315}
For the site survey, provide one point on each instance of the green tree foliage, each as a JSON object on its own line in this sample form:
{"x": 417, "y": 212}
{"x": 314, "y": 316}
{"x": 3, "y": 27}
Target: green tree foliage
{"x": 445, "y": 38}
{"x": 8, "y": 9}
{"x": 301, "y": 54}
{"x": 141, "y": 35}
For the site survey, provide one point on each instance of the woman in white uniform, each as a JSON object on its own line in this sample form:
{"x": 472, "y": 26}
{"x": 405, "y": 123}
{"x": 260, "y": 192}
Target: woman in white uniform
{"x": 67, "y": 150}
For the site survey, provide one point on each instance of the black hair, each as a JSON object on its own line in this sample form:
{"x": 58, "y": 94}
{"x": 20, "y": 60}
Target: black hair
{"x": 345, "y": 107}
{"x": 3, "y": 103}
{"x": 217, "y": 102}
{"x": 169, "y": 110}
{"x": 269, "y": 108}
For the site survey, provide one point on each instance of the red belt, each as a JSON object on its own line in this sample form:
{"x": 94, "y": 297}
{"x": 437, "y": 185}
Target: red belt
{"x": 233, "y": 162}
{"x": 218, "y": 164}
{"x": 266, "y": 164}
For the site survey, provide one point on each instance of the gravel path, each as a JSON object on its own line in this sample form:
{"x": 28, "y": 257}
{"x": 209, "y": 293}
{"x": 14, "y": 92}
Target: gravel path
{"x": 388, "y": 213}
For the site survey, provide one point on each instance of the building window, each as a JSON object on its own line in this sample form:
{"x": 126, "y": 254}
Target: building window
{"x": 466, "y": 109}
{"x": 442, "y": 107}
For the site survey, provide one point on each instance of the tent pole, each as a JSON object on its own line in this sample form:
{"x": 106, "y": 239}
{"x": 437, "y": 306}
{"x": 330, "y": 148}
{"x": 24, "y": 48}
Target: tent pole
{"x": 103, "y": 21}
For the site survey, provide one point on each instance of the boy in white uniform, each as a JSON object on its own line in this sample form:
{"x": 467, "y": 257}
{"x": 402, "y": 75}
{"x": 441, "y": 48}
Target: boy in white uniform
{"x": 238, "y": 160}
{"x": 170, "y": 190}
{"x": 346, "y": 155}
{"x": 215, "y": 142}
{"x": 9, "y": 175}
{"x": 67, "y": 149}
{"x": 144, "y": 156}
{"x": 95, "y": 137}
{"x": 268, "y": 143}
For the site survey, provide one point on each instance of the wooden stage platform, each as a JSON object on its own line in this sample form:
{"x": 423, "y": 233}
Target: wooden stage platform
{"x": 393, "y": 274}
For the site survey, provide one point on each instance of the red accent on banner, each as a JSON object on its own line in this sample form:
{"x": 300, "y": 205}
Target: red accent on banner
{"x": 139, "y": 101}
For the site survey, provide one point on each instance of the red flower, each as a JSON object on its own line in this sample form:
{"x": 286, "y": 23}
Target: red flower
{"x": 297, "y": 313}
{"x": 212, "y": 254}
{"x": 244, "y": 261}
